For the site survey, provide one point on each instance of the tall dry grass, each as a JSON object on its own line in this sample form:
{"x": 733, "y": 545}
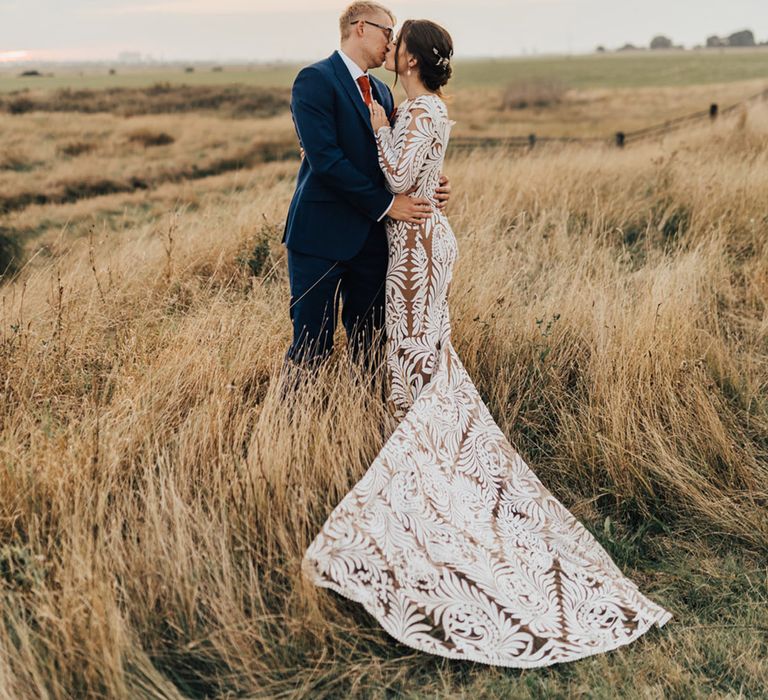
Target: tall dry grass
{"x": 55, "y": 159}
{"x": 160, "y": 98}
{"x": 156, "y": 494}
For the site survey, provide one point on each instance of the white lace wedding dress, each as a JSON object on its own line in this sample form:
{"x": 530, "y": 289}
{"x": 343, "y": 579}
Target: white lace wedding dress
{"x": 449, "y": 540}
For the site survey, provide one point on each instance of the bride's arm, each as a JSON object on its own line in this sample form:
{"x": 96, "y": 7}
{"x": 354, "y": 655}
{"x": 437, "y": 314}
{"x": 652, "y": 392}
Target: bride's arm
{"x": 402, "y": 162}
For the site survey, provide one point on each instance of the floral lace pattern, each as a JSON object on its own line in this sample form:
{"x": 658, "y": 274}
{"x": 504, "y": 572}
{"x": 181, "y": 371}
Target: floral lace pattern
{"x": 449, "y": 540}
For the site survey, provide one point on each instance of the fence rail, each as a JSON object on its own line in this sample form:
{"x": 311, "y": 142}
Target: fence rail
{"x": 619, "y": 139}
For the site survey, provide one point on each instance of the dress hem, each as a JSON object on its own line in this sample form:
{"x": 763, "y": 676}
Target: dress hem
{"x": 660, "y": 621}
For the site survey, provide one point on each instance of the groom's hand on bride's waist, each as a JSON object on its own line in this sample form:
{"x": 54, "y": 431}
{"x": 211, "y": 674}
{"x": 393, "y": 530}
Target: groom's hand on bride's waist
{"x": 443, "y": 191}
{"x": 414, "y": 210}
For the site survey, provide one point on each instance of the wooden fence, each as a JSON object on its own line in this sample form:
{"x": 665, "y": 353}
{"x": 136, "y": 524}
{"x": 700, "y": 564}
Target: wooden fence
{"x": 619, "y": 139}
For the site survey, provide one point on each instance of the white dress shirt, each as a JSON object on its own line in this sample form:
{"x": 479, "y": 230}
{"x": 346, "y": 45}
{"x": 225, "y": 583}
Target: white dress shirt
{"x": 355, "y": 71}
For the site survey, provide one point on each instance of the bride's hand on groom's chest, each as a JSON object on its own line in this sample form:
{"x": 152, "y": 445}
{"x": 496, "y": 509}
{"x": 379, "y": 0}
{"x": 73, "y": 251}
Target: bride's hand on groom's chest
{"x": 378, "y": 116}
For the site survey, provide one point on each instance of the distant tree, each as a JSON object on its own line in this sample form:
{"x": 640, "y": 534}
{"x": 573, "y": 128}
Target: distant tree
{"x": 31, "y": 74}
{"x": 715, "y": 42}
{"x": 742, "y": 38}
{"x": 661, "y": 42}
{"x": 628, "y": 47}
{"x": 600, "y": 49}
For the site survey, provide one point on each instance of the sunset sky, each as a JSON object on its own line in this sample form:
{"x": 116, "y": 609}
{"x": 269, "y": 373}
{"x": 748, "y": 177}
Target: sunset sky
{"x": 296, "y": 30}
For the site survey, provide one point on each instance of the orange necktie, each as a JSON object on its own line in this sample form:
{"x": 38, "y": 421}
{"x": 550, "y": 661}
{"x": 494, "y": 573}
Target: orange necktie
{"x": 365, "y": 86}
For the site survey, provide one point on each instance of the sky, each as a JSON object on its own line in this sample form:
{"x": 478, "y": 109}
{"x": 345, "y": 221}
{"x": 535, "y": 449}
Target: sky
{"x": 301, "y": 30}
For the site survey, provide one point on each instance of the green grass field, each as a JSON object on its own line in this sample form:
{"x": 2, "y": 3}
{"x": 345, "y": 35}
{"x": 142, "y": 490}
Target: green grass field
{"x": 631, "y": 69}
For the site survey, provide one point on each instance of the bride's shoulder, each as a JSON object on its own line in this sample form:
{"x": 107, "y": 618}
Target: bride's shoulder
{"x": 430, "y": 102}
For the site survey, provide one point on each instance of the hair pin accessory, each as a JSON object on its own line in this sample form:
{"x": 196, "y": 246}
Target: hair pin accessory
{"x": 442, "y": 61}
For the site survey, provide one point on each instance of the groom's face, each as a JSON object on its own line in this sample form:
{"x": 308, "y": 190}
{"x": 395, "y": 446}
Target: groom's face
{"x": 376, "y": 40}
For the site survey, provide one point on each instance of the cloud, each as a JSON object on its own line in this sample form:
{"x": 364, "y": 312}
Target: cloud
{"x": 265, "y": 7}
{"x": 219, "y": 7}
{"x": 11, "y": 56}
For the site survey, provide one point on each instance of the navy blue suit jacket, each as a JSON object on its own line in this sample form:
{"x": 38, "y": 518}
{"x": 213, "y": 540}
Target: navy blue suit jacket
{"x": 340, "y": 189}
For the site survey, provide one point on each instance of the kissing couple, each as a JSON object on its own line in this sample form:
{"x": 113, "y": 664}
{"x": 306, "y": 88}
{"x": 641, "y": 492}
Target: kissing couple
{"x": 449, "y": 540}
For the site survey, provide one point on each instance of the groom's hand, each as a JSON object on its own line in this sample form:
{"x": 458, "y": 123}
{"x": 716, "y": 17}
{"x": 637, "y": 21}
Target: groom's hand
{"x": 443, "y": 192}
{"x": 414, "y": 210}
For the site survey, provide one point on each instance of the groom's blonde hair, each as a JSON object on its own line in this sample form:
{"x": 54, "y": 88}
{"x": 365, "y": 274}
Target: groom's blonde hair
{"x": 360, "y": 10}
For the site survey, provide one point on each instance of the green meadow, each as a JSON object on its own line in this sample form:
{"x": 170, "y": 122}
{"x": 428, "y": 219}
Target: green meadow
{"x": 609, "y": 70}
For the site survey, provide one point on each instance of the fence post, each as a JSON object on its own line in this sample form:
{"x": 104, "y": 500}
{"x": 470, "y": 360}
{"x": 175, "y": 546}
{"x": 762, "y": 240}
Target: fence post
{"x": 713, "y": 111}
{"x": 620, "y": 138}
{"x": 531, "y": 140}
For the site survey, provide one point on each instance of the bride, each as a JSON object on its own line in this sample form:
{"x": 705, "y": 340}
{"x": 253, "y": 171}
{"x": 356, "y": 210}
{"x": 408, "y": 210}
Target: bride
{"x": 449, "y": 540}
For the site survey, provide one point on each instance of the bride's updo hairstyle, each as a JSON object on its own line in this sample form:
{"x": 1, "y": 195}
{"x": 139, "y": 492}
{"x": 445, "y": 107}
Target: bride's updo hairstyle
{"x": 432, "y": 47}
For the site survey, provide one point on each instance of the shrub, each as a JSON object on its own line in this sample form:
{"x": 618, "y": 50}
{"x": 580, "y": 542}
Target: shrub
{"x": 10, "y": 253}
{"x": 75, "y": 148}
{"x": 148, "y": 138}
{"x": 21, "y": 105}
{"x": 13, "y": 160}
{"x": 533, "y": 93}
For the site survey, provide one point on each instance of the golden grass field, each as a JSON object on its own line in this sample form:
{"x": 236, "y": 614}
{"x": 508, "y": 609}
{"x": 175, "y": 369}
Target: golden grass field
{"x": 156, "y": 495}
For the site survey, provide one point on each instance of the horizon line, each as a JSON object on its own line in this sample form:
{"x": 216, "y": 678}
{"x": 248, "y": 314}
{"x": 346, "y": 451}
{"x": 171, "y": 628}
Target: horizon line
{"x": 235, "y": 61}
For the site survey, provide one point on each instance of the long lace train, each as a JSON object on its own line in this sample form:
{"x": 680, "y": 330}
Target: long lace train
{"x": 449, "y": 539}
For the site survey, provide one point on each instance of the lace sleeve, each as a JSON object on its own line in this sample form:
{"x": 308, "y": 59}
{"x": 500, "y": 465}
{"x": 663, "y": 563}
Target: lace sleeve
{"x": 402, "y": 161}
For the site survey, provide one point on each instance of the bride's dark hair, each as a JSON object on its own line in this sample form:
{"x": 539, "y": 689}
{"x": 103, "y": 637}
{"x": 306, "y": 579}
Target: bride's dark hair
{"x": 432, "y": 47}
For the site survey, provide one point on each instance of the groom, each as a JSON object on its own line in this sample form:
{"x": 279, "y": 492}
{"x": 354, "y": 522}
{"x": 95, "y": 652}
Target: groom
{"x": 334, "y": 232}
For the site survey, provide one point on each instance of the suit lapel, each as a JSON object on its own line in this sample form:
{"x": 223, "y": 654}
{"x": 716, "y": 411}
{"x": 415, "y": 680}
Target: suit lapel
{"x": 342, "y": 73}
{"x": 381, "y": 94}
{"x": 376, "y": 92}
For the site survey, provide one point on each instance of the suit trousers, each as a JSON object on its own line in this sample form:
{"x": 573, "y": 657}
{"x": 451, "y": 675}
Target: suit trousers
{"x": 318, "y": 284}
